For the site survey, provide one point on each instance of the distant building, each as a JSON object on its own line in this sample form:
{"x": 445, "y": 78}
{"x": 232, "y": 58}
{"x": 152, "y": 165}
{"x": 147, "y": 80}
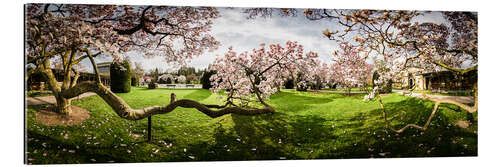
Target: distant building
{"x": 438, "y": 81}
{"x": 103, "y": 68}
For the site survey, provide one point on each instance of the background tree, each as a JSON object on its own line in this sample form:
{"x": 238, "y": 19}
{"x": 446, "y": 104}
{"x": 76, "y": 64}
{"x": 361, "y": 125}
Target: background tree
{"x": 289, "y": 83}
{"x": 138, "y": 71}
{"x": 181, "y": 79}
{"x": 192, "y": 79}
{"x": 186, "y": 71}
{"x": 401, "y": 40}
{"x": 350, "y": 68}
{"x": 321, "y": 76}
{"x": 165, "y": 79}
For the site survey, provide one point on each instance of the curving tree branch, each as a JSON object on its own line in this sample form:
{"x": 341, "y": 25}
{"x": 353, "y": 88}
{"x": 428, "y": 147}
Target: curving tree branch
{"x": 125, "y": 111}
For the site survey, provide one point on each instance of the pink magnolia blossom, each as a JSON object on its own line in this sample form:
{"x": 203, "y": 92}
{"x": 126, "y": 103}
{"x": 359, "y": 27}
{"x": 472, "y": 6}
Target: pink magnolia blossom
{"x": 350, "y": 68}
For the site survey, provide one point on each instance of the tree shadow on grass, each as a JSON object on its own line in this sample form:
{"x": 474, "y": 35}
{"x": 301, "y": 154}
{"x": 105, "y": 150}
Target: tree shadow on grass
{"x": 298, "y": 99}
{"x": 262, "y": 137}
{"x": 441, "y": 139}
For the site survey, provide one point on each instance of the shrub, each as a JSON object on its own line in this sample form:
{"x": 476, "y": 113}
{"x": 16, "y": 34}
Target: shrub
{"x": 332, "y": 85}
{"x": 135, "y": 81}
{"x": 152, "y": 85}
{"x": 302, "y": 84}
{"x": 302, "y": 87}
{"x": 120, "y": 75}
{"x": 289, "y": 84}
{"x": 317, "y": 84}
{"x": 205, "y": 79}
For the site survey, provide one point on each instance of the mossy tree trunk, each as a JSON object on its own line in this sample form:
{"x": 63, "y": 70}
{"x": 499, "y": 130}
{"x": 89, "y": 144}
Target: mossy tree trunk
{"x": 68, "y": 58}
{"x": 63, "y": 104}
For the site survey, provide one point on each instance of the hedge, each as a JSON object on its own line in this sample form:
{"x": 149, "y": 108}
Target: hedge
{"x": 205, "y": 79}
{"x": 135, "y": 81}
{"x": 121, "y": 76}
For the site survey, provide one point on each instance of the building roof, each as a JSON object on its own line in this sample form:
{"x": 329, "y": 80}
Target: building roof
{"x": 103, "y": 64}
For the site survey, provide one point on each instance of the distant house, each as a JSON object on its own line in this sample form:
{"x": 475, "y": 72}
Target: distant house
{"x": 442, "y": 80}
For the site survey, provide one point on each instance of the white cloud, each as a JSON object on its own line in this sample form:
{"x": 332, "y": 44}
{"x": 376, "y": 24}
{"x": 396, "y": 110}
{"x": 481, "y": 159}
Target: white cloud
{"x": 234, "y": 29}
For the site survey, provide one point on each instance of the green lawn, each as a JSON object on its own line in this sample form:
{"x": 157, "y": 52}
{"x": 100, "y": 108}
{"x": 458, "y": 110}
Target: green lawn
{"x": 305, "y": 126}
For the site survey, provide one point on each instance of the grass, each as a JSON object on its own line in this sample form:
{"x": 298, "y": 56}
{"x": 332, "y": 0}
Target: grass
{"x": 305, "y": 126}
{"x": 37, "y": 93}
{"x": 352, "y": 89}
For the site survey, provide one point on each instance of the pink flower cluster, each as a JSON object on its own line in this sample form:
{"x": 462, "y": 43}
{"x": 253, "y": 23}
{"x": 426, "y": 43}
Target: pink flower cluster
{"x": 258, "y": 73}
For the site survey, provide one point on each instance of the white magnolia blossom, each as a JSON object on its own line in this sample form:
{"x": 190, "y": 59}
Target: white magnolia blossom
{"x": 165, "y": 77}
{"x": 181, "y": 79}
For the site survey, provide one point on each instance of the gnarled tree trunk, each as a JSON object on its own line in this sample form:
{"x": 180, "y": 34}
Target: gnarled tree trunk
{"x": 70, "y": 88}
{"x": 63, "y": 105}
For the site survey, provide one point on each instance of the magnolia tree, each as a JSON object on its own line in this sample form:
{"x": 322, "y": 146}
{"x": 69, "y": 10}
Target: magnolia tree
{"x": 69, "y": 33}
{"x": 321, "y": 76}
{"x": 165, "y": 78}
{"x": 251, "y": 76}
{"x": 147, "y": 79}
{"x": 402, "y": 39}
{"x": 294, "y": 64}
{"x": 350, "y": 68}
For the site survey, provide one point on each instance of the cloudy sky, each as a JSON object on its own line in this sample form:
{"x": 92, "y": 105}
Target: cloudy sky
{"x": 233, "y": 28}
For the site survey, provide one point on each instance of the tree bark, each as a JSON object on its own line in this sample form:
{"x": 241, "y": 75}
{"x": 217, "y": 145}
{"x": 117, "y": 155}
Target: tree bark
{"x": 63, "y": 105}
{"x": 125, "y": 111}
